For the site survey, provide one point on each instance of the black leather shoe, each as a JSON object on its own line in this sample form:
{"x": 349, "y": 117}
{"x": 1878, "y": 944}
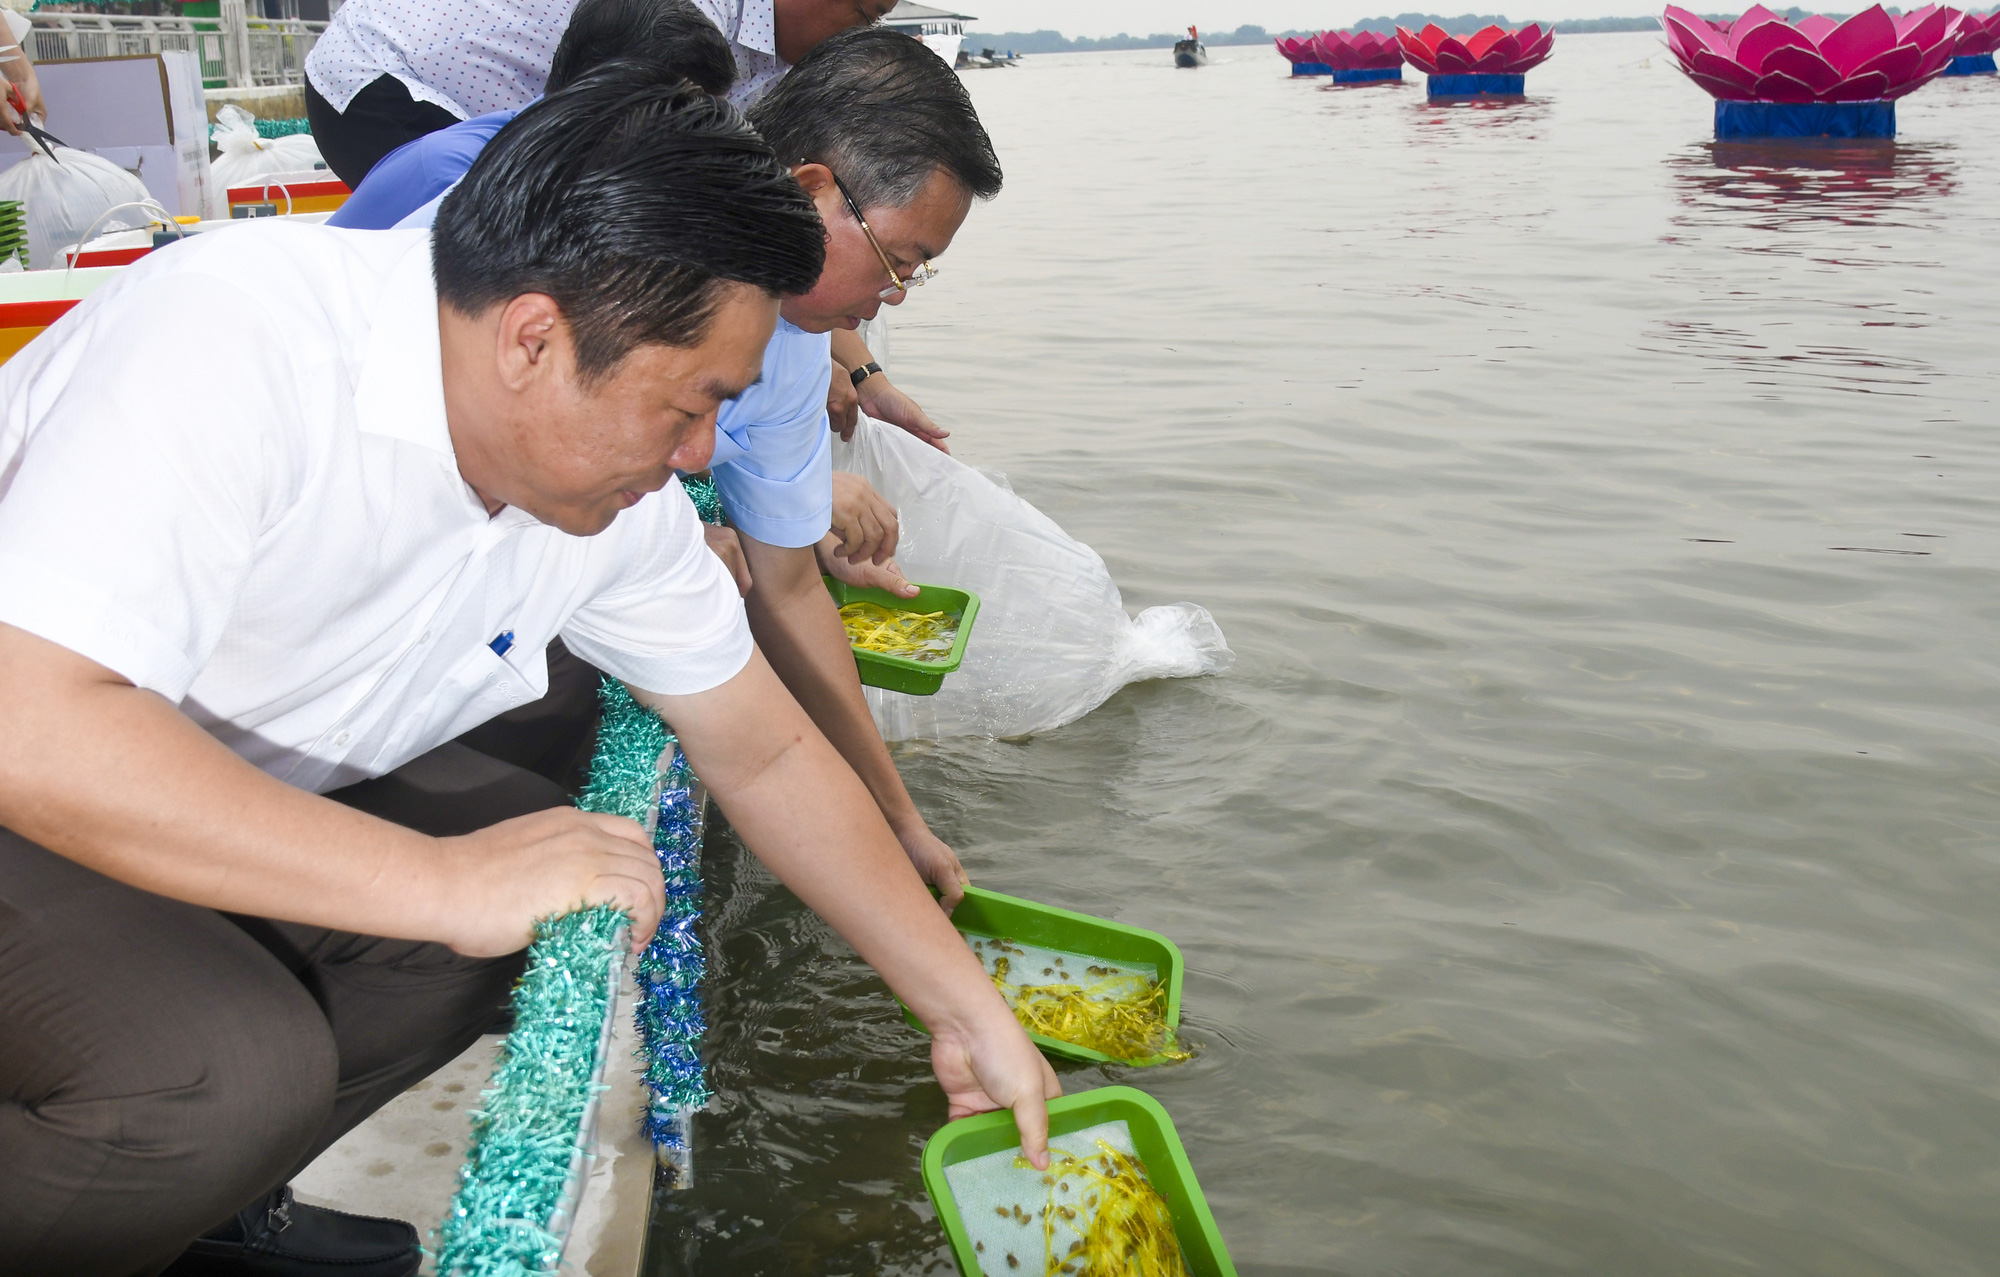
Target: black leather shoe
{"x": 279, "y": 1237}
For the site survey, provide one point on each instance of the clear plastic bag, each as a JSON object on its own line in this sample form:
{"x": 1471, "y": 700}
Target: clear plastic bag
{"x": 1053, "y": 640}
{"x": 245, "y": 157}
{"x": 62, "y": 200}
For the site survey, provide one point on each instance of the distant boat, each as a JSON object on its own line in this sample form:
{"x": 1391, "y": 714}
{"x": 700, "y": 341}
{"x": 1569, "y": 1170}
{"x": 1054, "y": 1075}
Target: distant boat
{"x": 939, "y": 30}
{"x": 1190, "y": 52}
{"x": 985, "y": 58}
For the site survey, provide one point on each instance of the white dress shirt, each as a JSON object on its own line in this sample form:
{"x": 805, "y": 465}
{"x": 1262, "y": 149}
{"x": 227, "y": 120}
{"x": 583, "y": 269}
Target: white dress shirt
{"x": 752, "y": 28}
{"x": 227, "y": 476}
{"x": 467, "y": 56}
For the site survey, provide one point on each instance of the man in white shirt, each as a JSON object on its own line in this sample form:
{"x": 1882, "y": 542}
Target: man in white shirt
{"x": 387, "y": 72}
{"x": 221, "y": 600}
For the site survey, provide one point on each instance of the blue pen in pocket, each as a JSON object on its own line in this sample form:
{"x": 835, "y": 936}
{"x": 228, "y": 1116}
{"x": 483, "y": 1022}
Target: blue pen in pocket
{"x": 502, "y": 643}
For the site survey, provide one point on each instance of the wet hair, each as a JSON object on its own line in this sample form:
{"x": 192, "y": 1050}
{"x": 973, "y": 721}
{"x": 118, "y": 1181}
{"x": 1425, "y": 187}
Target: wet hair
{"x": 884, "y": 113}
{"x": 668, "y": 33}
{"x": 633, "y": 199}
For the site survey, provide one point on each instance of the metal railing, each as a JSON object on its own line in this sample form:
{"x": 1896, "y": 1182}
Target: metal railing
{"x": 237, "y": 51}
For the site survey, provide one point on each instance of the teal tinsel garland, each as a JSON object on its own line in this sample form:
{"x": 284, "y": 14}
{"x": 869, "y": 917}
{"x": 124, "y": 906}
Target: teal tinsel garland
{"x": 268, "y": 129}
{"x": 707, "y": 501}
{"x": 527, "y": 1132}
{"x": 529, "y": 1126}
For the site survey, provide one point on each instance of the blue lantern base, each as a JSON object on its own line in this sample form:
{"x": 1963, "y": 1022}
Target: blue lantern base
{"x": 1734, "y": 120}
{"x": 1971, "y": 64}
{"x": 1311, "y": 68}
{"x": 1472, "y": 86}
{"x": 1368, "y": 75}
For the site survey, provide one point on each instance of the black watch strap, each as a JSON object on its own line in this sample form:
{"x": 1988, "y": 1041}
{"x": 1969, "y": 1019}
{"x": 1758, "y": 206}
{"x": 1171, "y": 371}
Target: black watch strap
{"x": 864, "y": 372}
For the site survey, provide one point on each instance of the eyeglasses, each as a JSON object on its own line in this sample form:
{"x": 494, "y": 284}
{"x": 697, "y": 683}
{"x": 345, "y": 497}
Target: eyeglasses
{"x": 922, "y": 275}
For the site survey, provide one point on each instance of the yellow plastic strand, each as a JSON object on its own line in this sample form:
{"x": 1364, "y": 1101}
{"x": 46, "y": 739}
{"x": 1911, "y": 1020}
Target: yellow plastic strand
{"x": 1125, "y": 1227}
{"x": 1121, "y": 1015}
{"x": 918, "y": 636}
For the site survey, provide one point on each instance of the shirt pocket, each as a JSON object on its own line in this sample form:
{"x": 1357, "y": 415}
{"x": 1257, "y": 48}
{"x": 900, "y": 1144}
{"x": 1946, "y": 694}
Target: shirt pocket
{"x": 477, "y": 688}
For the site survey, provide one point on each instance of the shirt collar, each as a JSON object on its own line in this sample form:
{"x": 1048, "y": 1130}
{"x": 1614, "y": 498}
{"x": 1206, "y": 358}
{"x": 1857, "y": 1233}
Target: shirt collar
{"x": 400, "y": 392}
{"x": 762, "y": 17}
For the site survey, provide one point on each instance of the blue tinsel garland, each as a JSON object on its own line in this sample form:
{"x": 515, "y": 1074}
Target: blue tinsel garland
{"x": 669, "y": 973}
{"x": 530, "y": 1127}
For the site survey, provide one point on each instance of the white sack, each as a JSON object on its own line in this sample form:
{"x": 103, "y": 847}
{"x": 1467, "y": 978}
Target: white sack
{"x": 64, "y": 199}
{"x": 1052, "y": 640}
{"x": 244, "y": 157}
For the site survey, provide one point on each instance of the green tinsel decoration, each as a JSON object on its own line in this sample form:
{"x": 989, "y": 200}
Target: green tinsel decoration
{"x": 707, "y": 501}
{"x": 528, "y": 1132}
{"x": 624, "y": 773}
{"x": 268, "y": 129}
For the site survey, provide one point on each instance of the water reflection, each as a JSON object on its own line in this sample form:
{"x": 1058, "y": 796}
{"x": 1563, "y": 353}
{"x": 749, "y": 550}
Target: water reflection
{"x": 1794, "y": 183}
{"x": 1509, "y": 116}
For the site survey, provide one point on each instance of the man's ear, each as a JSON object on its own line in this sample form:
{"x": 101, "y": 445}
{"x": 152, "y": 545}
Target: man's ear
{"x": 530, "y": 341}
{"x": 815, "y": 178}
{"x": 825, "y": 193}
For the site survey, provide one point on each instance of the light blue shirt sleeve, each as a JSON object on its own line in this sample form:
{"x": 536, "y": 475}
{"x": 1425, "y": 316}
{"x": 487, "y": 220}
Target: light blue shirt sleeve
{"x": 773, "y": 462}
{"x": 421, "y": 218}
{"x": 416, "y": 172}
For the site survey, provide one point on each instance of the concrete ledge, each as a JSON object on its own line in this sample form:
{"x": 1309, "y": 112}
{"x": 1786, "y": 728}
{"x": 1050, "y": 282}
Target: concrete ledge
{"x": 403, "y": 1162}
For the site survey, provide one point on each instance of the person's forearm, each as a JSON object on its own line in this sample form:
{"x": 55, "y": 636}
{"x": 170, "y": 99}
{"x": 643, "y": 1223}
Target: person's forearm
{"x": 119, "y": 780}
{"x": 807, "y": 817}
{"x": 799, "y": 630}
{"x": 849, "y": 351}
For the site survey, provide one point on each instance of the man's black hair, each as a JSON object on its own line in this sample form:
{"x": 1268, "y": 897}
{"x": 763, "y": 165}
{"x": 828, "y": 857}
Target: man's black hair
{"x": 632, "y": 198}
{"x": 884, "y": 113}
{"x": 668, "y": 33}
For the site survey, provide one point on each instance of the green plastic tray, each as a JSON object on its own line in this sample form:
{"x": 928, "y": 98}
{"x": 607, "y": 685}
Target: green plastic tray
{"x": 987, "y": 914}
{"x": 1153, "y": 1138}
{"x": 900, "y": 673}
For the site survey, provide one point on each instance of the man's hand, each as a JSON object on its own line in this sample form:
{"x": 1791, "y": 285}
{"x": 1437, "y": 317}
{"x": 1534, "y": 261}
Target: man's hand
{"x": 499, "y": 880}
{"x": 984, "y": 1070}
{"x": 841, "y": 403}
{"x": 870, "y": 575}
{"x": 9, "y": 120}
{"x": 729, "y": 548}
{"x": 806, "y": 814}
{"x": 864, "y": 522}
{"x": 937, "y": 864}
{"x": 884, "y": 402}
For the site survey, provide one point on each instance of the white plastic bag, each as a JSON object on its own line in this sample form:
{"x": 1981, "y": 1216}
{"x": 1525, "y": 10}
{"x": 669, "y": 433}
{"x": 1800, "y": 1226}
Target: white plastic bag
{"x": 62, "y": 200}
{"x": 1052, "y": 640}
{"x": 245, "y": 157}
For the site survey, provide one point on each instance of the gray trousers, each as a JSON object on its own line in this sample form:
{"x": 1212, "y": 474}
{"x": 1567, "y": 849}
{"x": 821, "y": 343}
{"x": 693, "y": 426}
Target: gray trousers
{"x": 163, "y": 1065}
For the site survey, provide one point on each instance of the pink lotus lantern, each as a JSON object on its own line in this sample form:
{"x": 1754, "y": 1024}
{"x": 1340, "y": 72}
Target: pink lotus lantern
{"x": 1820, "y": 78}
{"x": 1360, "y": 56}
{"x": 1304, "y": 55}
{"x": 1491, "y": 61}
{"x": 1977, "y": 39}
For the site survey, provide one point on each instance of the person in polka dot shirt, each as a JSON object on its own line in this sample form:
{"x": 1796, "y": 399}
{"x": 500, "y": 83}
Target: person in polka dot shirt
{"x": 389, "y": 71}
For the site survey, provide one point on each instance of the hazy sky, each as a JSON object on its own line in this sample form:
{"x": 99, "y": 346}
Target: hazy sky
{"x": 1142, "y": 17}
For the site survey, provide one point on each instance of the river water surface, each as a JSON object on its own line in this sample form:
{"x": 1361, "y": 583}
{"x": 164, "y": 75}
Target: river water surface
{"x": 1592, "y": 862}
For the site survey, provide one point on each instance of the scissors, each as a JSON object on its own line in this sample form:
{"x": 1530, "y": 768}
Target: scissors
{"x": 43, "y": 138}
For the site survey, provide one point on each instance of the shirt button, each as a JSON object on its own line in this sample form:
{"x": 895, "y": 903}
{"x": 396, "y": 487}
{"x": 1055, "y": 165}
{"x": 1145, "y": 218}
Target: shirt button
{"x": 341, "y": 739}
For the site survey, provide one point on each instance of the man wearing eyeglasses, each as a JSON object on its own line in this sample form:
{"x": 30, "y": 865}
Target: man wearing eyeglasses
{"x": 883, "y": 136}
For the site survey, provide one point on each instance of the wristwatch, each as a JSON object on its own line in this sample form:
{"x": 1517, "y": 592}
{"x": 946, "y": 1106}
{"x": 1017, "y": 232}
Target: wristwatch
{"x": 864, "y": 372}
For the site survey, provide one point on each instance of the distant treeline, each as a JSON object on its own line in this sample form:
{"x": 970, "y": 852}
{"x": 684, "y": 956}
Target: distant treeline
{"x": 1057, "y": 42}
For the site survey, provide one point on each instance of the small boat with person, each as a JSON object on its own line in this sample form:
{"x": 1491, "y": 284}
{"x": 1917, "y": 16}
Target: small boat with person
{"x": 1190, "y": 52}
